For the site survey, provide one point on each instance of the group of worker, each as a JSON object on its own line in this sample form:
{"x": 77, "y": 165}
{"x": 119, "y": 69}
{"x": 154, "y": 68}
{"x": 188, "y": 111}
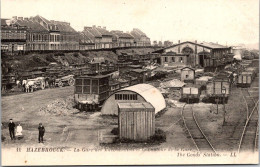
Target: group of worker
{"x": 19, "y": 130}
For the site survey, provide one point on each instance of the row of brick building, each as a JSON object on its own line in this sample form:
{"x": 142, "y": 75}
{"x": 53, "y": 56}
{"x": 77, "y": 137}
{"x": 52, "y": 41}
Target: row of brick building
{"x": 38, "y": 33}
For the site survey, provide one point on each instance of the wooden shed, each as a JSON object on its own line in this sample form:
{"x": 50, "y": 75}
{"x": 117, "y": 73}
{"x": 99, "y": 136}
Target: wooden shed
{"x": 187, "y": 75}
{"x": 136, "y": 121}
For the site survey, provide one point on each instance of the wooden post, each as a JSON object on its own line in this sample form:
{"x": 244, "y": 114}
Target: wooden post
{"x": 217, "y": 104}
{"x": 224, "y": 120}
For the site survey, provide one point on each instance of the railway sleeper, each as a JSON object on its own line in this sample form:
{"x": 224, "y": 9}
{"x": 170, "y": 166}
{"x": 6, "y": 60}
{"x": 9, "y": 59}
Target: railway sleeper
{"x": 199, "y": 138}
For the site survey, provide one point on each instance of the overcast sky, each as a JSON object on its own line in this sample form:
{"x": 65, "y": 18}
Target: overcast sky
{"x": 231, "y": 21}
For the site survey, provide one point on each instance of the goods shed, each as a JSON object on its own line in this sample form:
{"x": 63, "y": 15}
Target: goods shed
{"x": 136, "y": 121}
{"x": 134, "y": 94}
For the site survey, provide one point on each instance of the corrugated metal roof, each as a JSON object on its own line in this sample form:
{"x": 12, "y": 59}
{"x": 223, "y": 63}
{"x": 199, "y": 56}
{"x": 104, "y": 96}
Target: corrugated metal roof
{"x": 150, "y": 94}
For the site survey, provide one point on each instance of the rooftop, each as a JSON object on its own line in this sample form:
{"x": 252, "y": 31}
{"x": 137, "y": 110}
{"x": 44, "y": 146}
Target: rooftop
{"x": 31, "y": 25}
{"x": 103, "y": 31}
{"x": 121, "y": 34}
{"x": 135, "y": 105}
{"x": 148, "y": 92}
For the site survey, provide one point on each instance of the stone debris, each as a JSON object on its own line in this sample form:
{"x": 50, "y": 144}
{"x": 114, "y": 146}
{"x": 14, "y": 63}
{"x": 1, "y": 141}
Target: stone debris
{"x": 175, "y": 83}
{"x": 60, "y": 107}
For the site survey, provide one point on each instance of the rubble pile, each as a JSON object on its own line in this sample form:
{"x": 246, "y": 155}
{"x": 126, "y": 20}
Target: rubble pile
{"x": 174, "y": 83}
{"x": 60, "y": 107}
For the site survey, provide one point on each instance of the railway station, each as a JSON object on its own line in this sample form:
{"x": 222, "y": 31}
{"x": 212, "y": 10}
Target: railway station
{"x": 105, "y": 88}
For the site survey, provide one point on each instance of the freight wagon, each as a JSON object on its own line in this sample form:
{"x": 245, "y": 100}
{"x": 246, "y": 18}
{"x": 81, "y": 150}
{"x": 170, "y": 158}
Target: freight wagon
{"x": 245, "y": 79}
{"x": 218, "y": 90}
{"x": 253, "y": 70}
{"x": 91, "y": 91}
{"x": 190, "y": 94}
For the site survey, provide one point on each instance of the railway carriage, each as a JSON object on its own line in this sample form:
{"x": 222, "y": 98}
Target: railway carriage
{"x": 91, "y": 91}
{"x": 245, "y": 79}
{"x": 190, "y": 94}
{"x": 218, "y": 90}
{"x": 253, "y": 70}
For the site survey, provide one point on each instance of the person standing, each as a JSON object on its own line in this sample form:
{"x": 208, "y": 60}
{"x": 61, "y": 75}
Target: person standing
{"x": 41, "y": 132}
{"x": 19, "y": 130}
{"x": 11, "y": 126}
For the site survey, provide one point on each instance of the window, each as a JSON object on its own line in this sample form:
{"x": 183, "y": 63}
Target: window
{"x": 78, "y": 81}
{"x": 86, "y": 82}
{"x": 166, "y": 59}
{"x": 78, "y": 89}
{"x": 86, "y": 89}
{"x": 94, "y": 82}
{"x": 135, "y": 97}
{"x": 125, "y": 96}
{"x": 173, "y": 59}
{"x": 181, "y": 59}
{"x": 187, "y": 76}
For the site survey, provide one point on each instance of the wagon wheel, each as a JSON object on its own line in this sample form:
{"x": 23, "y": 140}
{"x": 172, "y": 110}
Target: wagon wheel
{"x": 4, "y": 89}
{"x": 43, "y": 85}
{"x": 60, "y": 84}
{"x": 71, "y": 81}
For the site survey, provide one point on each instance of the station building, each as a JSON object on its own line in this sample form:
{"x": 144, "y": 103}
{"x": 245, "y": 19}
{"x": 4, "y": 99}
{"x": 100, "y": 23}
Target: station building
{"x": 190, "y": 53}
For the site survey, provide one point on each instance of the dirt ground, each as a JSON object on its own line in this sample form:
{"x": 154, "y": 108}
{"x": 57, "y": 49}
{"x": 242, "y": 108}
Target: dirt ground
{"x": 225, "y": 134}
{"x": 81, "y": 128}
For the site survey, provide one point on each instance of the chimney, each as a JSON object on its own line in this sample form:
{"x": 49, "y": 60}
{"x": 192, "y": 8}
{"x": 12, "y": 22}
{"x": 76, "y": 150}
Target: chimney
{"x": 20, "y": 18}
{"x": 196, "y": 47}
{"x": 179, "y": 49}
{"x": 105, "y": 28}
{"x": 14, "y": 17}
{"x": 94, "y": 26}
{"x": 99, "y": 26}
{"x": 26, "y": 19}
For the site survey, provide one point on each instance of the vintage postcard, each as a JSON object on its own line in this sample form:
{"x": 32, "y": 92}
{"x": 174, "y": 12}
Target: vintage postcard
{"x": 129, "y": 82}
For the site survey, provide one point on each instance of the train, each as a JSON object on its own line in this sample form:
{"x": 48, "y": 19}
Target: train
{"x": 246, "y": 77}
{"x": 92, "y": 90}
{"x": 218, "y": 90}
{"x": 190, "y": 94}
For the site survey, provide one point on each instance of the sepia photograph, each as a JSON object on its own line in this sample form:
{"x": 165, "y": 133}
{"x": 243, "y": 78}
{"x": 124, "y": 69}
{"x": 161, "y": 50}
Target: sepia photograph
{"x": 129, "y": 82}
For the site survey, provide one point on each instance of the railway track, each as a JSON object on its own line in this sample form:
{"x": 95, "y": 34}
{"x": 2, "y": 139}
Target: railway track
{"x": 249, "y": 138}
{"x": 199, "y": 139}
